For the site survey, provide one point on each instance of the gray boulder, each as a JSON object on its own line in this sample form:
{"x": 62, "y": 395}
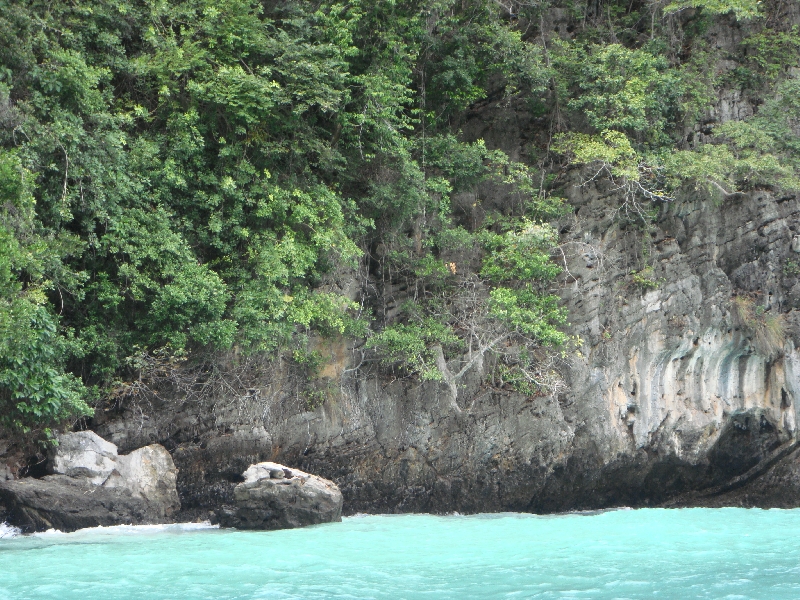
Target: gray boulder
{"x": 92, "y": 485}
{"x": 83, "y": 454}
{"x": 273, "y": 496}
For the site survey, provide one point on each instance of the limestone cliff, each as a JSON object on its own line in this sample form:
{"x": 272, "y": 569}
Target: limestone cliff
{"x": 684, "y": 390}
{"x": 671, "y": 392}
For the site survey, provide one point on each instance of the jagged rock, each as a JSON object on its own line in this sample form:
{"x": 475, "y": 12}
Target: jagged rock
{"x": 83, "y": 454}
{"x": 92, "y": 485}
{"x": 276, "y": 497}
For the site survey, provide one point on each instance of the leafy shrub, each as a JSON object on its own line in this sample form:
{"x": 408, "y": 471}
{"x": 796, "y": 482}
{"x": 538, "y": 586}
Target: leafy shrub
{"x": 791, "y": 267}
{"x": 412, "y": 346}
{"x": 616, "y": 88}
{"x": 35, "y": 392}
{"x": 645, "y": 279}
{"x": 743, "y": 9}
{"x": 534, "y": 315}
{"x": 760, "y": 151}
{"x": 520, "y": 254}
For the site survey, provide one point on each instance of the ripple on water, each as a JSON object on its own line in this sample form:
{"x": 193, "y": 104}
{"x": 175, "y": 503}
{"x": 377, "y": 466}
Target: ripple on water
{"x": 691, "y": 553}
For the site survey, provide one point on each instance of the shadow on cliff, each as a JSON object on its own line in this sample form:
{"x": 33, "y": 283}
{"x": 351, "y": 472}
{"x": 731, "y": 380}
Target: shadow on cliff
{"x": 748, "y": 445}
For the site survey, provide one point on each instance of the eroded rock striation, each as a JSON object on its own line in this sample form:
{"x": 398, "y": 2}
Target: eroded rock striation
{"x": 91, "y": 485}
{"x": 273, "y": 496}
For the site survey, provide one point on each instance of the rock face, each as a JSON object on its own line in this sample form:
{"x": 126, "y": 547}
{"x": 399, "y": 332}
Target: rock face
{"x": 674, "y": 397}
{"x": 671, "y": 393}
{"x": 273, "y": 496}
{"x": 92, "y": 485}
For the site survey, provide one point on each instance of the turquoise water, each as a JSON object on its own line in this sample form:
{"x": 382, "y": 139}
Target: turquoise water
{"x": 691, "y": 553}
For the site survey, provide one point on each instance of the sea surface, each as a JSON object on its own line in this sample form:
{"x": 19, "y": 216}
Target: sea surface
{"x": 653, "y": 553}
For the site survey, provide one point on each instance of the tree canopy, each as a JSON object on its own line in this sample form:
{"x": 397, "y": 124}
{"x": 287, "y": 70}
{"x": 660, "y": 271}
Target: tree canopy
{"x": 193, "y": 176}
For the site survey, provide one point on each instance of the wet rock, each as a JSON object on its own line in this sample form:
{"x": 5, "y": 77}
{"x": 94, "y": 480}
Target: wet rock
{"x": 275, "y": 497}
{"x": 92, "y": 485}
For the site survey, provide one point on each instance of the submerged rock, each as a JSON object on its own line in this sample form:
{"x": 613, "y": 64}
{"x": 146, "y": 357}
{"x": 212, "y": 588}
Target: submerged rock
{"x": 92, "y": 485}
{"x": 273, "y": 496}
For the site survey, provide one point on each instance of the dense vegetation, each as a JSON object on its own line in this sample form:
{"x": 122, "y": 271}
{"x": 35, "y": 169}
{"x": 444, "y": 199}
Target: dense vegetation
{"x": 196, "y": 176}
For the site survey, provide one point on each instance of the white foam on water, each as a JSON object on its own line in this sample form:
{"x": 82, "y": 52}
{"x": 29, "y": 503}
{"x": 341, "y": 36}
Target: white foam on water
{"x": 8, "y": 531}
{"x": 127, "y": 529}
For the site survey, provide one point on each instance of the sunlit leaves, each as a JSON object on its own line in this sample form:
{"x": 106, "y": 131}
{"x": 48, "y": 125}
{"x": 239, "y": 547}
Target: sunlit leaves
{"x": 617, "y": 88}
{"x": 743, "y": 9}
{"x": 521, "y": 254}
{"x": 534, "y": 315}
{"x": 412, "y": 345}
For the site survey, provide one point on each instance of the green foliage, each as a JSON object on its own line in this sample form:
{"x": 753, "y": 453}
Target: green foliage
{"x": 411, "y": 345}
{"x": 616, "y": 88}
{"x": 316, "y": 397}
{"x": 791, "y": 267}
{"x": 760, "y": 151}
{"x": 519, "y": 265}
{"x": 637, "y": 177}
{"x": 520, "y": 254}
{"x": 176, "y": 156}
{"x": 178, "y": 142}
{"x": 311, "y": 360}
{"x": 468, "y": 46}
{"x": 612, "y": 149}
{"x": 193, "y": 176}
{"x": 516, "y": 264}
{"x": 645, "y": 279}
{"x": 769, "y": 54}
{"x": 534, "y": 315}
{"x": 743, "y": 9}
{"x": 35, "y": 391}
{"x": 189, "y": 176}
